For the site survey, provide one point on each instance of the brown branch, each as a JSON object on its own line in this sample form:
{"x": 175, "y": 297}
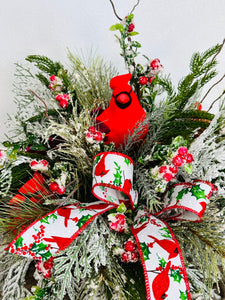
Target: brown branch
{"x": 218, "y": 98}
{"x": 209, "y": 90}
{"x": 46, "y": 108}
{"x": 70, "y": 194}
{"x": 138, "y": 1}
{"x": 114, "y": 10}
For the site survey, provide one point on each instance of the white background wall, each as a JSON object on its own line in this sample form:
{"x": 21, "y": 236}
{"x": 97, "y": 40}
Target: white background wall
{"x": 170, "y": 30}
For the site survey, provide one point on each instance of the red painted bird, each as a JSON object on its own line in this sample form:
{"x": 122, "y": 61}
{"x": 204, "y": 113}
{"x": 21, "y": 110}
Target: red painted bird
{"x": 100, "y": 169}
{"x": 123, "y": 114}
{"x": 65, "y": 212}
{"x": 62, "y": 242}
{"x": 161, "y": 283}
{"x": 169, "y": 246}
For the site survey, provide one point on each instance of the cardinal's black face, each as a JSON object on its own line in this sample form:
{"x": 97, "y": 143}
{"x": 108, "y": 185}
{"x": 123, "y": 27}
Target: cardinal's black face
{"x": 123, "y": 99}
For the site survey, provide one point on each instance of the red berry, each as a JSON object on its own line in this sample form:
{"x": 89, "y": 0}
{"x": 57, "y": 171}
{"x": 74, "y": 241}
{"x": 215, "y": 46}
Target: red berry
{"x": 177, "y": 161}
{"x": 120, "y": 219}
{"x": 143, "y": 80}
{"x": 129, "y": 246}
{"x": 53, "y": 186}
{"x": 52, "y": 78}
{"x": 134, "y": 256}
{"x": 113, "y": 226}
{"x": 125, "y": 257}
{"x": 182, "y": 150}
{"x": 151, "y": 79}
{"x": 61, "y": 190}
{"x": 33, "y": 163}
{"x": 59, "y": 97}
{"x": 131, "y": 27}
{"x": 89, "y": 135}
{"x": 162, "y": 169}
{"x": 188, "y": 158}
{"x": 173, "y": 169}
{"x": 155, "y": 64}
{"x": 98, "y": 136}
{"x": 50, "y": 86}
{"x": 47, "y": 275}
{"x": 92, "y": 129}
{"x": 167, "y": 176}
{"x": 48, "y": 265}
{"x": 63, "y": 103}
{"x": 44, "y": 162}
{"x": 66, "y": 96}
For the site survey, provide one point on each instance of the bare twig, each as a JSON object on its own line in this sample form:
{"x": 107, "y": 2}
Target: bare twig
{"x": 135, "y": 6}
{"x": 68, "y": 197}
{"x": 218, "y": 98}
{"x": 209, "y": 90}
{"x": 46, "y": 108}
{"x": 114, "y": 10}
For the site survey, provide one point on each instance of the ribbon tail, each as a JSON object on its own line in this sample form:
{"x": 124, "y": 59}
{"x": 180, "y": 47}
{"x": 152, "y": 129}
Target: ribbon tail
{"x": 56, "y": 231}
{"x": 164, "y": 269}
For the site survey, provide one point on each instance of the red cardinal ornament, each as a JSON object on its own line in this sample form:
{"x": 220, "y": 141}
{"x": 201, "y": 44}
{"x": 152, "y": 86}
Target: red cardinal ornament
{"x": 123, "y": 114}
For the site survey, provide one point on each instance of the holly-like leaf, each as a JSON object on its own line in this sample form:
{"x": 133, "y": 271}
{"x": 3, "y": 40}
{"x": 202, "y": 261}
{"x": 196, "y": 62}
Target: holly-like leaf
{"x": 145, "y": 250}
{"x": 36, "y": 248}
{"x": 19, "y": 242}
{"x": 117, "y": 176}
{"x": 198, "y": 192}
{"x": 183, "y": 295}
{"x": 162, "y": 262}
{"x": 46, "y": 219}
{"x": 143, "y": 219}
{"x": 165, "y": 232}
{"x": 127, "y": 161}
{"x": 83, "y": 220}
{"x": 182, "y": 193}
{"x": 176, "y": 275}
{"x": 97, "y": 159}
{"x": 45, "y": 256}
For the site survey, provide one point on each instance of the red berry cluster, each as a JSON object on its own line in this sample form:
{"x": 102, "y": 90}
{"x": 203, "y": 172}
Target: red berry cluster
{"x": 118, "y": 223}
{"x": 27, "y": 249}
{"x": 63, "y": 100}
{"x": 37, "y": 237}
{"x": 155, "y": 64}
{"x": 143, "y": 80}
{"x": 55, "y": 188}
{"x": 131, "y": 27}
{"x": 42, "y": 162}
{"x": 55, "y": 83}
{"x": 182, "y": 157}
{"x": 94, "y": 135}
{"x": 41, "y": 165}
{"x": 45, "y": 267}
{"x": 130, "y": 254}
